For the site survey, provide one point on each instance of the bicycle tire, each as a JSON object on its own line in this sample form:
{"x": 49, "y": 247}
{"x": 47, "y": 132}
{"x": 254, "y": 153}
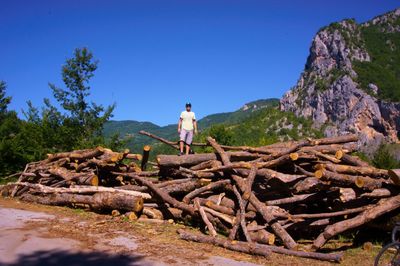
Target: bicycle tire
{"x": 395, "y": 230}
{"x": 386, "y": 248}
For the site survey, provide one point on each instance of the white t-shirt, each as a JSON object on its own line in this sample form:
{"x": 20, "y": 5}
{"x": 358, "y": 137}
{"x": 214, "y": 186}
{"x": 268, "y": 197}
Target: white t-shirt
{"x": 187, "y": 120}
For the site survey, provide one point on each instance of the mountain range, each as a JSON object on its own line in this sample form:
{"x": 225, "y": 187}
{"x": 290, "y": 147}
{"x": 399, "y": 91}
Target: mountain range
{"x": 350, "y": 83}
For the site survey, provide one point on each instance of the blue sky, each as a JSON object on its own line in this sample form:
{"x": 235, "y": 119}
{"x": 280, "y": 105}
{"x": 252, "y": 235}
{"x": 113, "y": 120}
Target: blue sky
{"x": 156, "y": 55}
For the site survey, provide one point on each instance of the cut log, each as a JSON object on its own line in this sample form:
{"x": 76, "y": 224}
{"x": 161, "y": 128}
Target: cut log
{"x": 204, "y": 217}
{"x": 242, "y": 212}
{"x": 145, "y": 157}
{"x": 383, "y": 206}
{"x": 223, "y": 209}
{"x": 205, "y": 165}
{"x": 363, "y": 182}
{"x": 76, "y": 155}
{"x": 347, "y": 194}
{"x": 377, "y": 193}
{"x": 357, "y": 170}
{"x": 100, "y": 201}
{"x": 225, "y": 243}
{"x": 262, "y": 236}
{"x": 212, "y": 186}
{"x": 194, "y": 159}
{"x": 293, "y": 199}
{"x": 267, "y": 216}
{"x": 353, "y": 160}
{"x": 336, "y": 140}
{"x": 82, "y": 190}
{"x": 153, "y": 213}
{"x": 163, "y": 195}
{"x": 256, "y": 249}
{"x": 394, "y": 175}
{"x": 328, "y": 214}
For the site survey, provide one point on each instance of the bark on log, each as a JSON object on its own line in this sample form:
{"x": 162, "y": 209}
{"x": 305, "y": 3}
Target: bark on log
{"x": 383, "y": 206}
{"x": 262, "y": 236}
{"x": 364, "y": 182}
{"x": 356, "y": 170}
{"x": 232, "y": 245}
{"x": 76, "y": 155}
{"x": 293, "y": 199}
{"x": 145, "y": 157}
{"x": 353, "y": 160}
{"x": 211, "y": 186}
{"x": 242, "y": 212}
{"x": 267, "y": 216}
{"x": 82, "y": 190}
{"x": 377, "y": 193}
{"x": 101, "y": 201}
{"x": 205, "y": 165}
{"x": 182, "y": 188}
{"x": 336, "y": 140}
{"x": 394, "y": 175}
{"x": 347, "y": 194}
{"x": 194, "y": 159}
{"x": 256, "y": 249}
{"x": 220, "y": 208}
{"x": 204, "y": 218}
{"x": 163, "y": 195}
{"x": 329, "y": 214}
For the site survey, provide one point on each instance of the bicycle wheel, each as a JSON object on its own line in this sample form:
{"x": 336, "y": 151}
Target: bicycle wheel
{"x": 396, "y": 234}
{"x": 389, "y": 255}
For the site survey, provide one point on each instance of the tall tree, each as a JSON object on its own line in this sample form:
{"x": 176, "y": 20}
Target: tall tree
{"x": 11, "y": 149}
{"x": 4, "y": 101}
{"x": 87, "y": 118}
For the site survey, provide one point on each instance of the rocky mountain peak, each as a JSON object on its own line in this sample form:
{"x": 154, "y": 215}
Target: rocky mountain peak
{"x": 331, "y": 91}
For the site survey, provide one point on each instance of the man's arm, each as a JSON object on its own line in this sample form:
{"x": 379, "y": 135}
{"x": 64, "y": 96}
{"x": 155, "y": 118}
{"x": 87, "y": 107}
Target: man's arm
{"x": 195, "y": 126}
{"x": 179, "y": 125}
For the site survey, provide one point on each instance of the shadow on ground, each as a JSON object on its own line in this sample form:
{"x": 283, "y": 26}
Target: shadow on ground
{"x": 67, "y": 258}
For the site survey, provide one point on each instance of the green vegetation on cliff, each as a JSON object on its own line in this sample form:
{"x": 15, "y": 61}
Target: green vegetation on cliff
{"x": 383, "y": 70}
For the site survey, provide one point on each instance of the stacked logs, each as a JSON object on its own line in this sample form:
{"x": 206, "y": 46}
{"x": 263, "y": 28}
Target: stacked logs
{"x": 73, "y": 179}
{"x": 264, "y": 199}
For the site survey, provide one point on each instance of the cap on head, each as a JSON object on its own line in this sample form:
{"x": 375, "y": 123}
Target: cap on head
{"x": 188, "y": 105}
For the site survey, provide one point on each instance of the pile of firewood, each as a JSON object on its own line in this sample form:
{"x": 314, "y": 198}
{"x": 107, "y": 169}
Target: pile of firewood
{"x": 262, "y": 198}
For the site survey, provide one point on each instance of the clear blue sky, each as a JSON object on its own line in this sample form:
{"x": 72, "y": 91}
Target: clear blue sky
{"x": 156, "y": 55}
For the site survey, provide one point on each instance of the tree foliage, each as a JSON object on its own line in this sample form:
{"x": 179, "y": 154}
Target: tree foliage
{"x": 384, "y": 159}
{"x": 86, "y": 119}
{"x": 77, "y": 124}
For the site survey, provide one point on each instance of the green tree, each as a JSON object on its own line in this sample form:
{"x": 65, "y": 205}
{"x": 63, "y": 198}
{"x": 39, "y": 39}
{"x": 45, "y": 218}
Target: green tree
{"x": 4, "y": 101}
{"x": 84, "y": 117}
{"x": 221, "y": 134}
{"x": 11, "y": 148}
{"x": 384, "y": 159}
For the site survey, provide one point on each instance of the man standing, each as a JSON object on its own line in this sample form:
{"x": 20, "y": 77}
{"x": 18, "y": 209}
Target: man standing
{"x": 187, "y": 123}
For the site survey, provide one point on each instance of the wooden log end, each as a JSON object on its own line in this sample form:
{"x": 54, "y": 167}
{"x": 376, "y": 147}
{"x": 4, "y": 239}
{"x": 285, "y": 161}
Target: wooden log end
{"x": 368, "y": 246}
{"x": 339, "y": 154}
{"x": 294, "y": 156}
{"x": 359, "y": 182}
{"x": 394, "y": 175}
{"x": 132, "y": 216}
{"x": 147, "y": 148}
{"x": 115, "y": 213}
{"x": 138, "y": 207}
{"x": 271, "y": 239}
{"x": 319, "y": 173}
{"x": 94, "y": 181}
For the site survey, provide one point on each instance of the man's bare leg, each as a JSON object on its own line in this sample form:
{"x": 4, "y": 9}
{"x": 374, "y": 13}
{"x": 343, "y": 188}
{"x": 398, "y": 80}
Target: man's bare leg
{"x": 187, "y": 149}
{"x": 181, "y": 146}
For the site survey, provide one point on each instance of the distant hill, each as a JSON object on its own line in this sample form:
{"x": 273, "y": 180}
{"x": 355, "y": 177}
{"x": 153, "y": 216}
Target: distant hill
{"x": 130, "y": 128}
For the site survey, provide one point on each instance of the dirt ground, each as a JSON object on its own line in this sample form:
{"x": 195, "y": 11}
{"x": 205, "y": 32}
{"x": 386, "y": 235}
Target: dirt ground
{"x": 33, "y": 234}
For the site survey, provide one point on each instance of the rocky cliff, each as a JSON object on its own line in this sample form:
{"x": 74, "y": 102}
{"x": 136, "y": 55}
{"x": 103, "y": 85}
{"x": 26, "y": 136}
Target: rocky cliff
{"x": 351, "y": 81}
